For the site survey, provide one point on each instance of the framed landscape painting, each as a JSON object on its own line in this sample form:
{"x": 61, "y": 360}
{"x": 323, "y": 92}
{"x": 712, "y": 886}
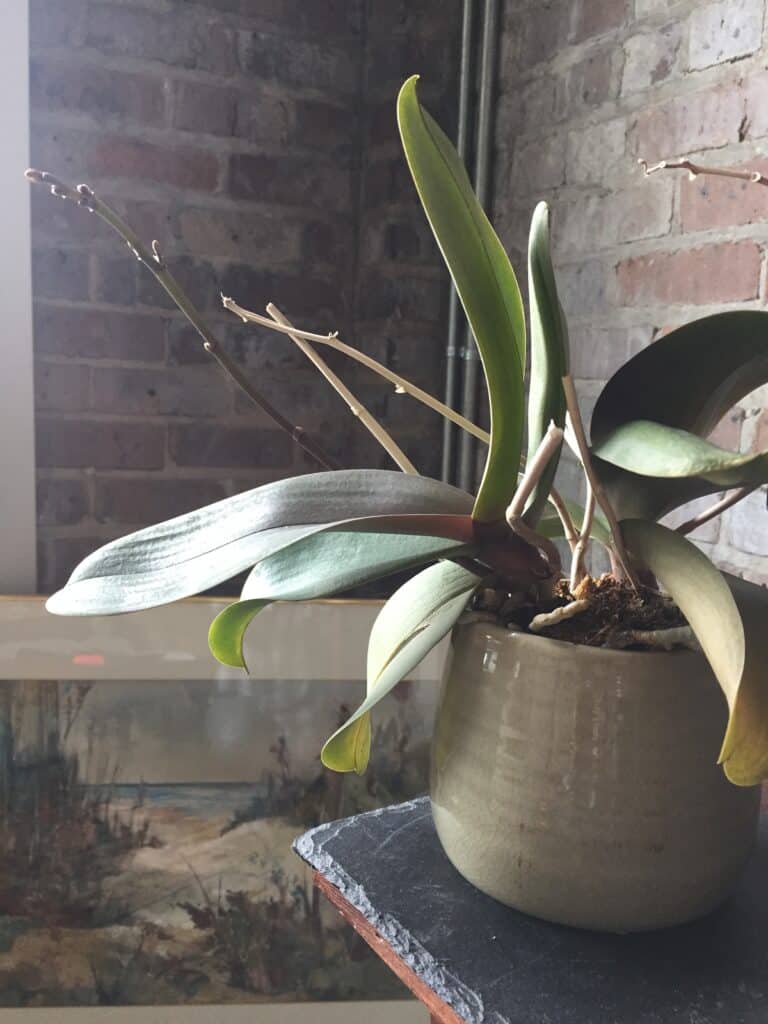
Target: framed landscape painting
{"x": 149, "y": 798}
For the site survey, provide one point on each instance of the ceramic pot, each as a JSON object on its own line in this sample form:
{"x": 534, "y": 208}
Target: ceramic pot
{"x": 580, "y": 785}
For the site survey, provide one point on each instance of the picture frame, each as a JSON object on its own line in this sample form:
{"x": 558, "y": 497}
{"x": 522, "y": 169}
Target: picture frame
{"x": 288, "y": 644}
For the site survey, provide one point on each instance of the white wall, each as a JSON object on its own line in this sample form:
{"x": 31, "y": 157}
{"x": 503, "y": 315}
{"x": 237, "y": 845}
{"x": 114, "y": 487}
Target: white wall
{"x": 18, "y": 568}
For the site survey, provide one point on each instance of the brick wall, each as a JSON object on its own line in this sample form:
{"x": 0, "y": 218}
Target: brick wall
{"x": 255, "y": 139}
{"x": 586, "y": 88}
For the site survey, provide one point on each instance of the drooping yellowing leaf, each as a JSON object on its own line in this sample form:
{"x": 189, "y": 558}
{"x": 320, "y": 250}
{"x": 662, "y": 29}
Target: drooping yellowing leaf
{"x": 729, "y": 618}
{"x": 744, "y": 755}
{"x": 485, "y": 283}
{"x": 410, "y": 624}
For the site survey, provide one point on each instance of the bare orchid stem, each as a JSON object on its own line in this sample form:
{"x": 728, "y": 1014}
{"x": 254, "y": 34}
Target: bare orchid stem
{"x": 533, "y": 471}
{"x": 569, "y": 530}
{"x": 578, "y": 572}
{"x": 694, "y": 170}
{"x": 356, "y": 407}
{"x": 84, "y": 196}
{"x": 572, "y": 404}
{"x": 332, "y": 341}
{"x": 715, "y": 510}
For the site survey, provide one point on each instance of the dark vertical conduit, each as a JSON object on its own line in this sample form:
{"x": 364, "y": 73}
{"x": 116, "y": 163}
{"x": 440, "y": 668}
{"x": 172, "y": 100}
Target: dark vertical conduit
{"x": 466, "y": 475}
{"x": 455, "y": 317}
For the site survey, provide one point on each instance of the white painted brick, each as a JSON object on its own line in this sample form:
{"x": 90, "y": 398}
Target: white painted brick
{"x": 651, "y": 58}
{"x": 707, "y": 533}
{"x": 724, "y": 31}
{"x": 596, "y": 153}
{"x": 746, "y": 524}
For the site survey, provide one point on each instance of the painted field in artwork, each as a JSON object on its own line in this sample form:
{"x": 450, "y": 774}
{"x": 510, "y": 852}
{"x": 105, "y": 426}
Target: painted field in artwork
{"x": 145, "y": 833}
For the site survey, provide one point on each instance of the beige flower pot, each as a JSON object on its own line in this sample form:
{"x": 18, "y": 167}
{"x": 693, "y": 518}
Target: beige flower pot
{"x": 580, "y": 785}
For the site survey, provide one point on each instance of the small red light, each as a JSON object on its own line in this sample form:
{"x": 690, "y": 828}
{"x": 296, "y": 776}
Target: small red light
{"x": 88, "y": 659}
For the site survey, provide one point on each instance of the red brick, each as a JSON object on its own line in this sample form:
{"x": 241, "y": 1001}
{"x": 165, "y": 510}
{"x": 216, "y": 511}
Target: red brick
{"x": 206, "y": 109}
{"x": 147, "y": 500}
{"x": 724, "y": 272}
{"x": 684, "y": 124}
{"x": 64, "y": 223}
{"x": 193, "y": 444}
{"x": 150, "y": 220}
{"x": 299, "y": 63}
{"x": 295, "y": 294}
{"x": 756, "y": 119}
{"x": 386, "y": 181}
{"x": 91, "y": 334}
{"x": 291, "y": 180}
{"x": 324, "y": 126}
{"x": 188, "y": 41}
{"x": 595, "y": 17}
{"x": 61, "y": 502}
{"x": 190, "y": 392}
{"x": 761, "y": 434}
{"x": 261, "y": 237}
{"x": 99, "y": 92}
{"x": 62, "y": 387}
{"x": 588, "y": 84}
{"x": 543, "y": 30}
{"x": 113, "y": 278}
{"x": 197, "y": 277}
{"x": 711, "y": 202}
{"x": 328, "y": 242}
{"x": 727, "y": 433}
{"x": 57, "y": 25}
{"x": 58, "y": 556}
{"x": 265, "y": 117}
{"x": 78, "y": 444}
{"x": 60, "y": 274}
{"x": 131, "y": 158}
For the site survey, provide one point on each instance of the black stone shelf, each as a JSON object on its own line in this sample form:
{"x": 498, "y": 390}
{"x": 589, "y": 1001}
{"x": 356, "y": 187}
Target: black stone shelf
{"x": 494, "y": 965}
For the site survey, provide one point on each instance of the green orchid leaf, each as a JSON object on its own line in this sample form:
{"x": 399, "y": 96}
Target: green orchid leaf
{"x": 734, "y": 646}
{"x": 193, "y": 552}
{"x": 335, "y": 560}
{"x": 485, "y": 283}
{"x": 409, "y": 625}
{"x": 651, "y": 449}
{"x": 549, "y": 355}
{"x": 744, "y": 754}
{"x": 227, "y": 631}
{"x": 550, "y": 525}
{"x": 688, "y": 379}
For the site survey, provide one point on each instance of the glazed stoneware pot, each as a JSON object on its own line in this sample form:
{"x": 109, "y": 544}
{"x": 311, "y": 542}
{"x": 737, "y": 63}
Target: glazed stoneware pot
{"x": 580, "y": 784}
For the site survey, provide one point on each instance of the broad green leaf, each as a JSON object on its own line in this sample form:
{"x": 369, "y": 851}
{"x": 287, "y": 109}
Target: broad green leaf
{"x": 550, "y": 526}
{"x": 687, "y": 379}
{"x": 336, "y": 560}
{"x": 331, "y": 559}
{"x": 651, "y": 449}
{"x": 409, "y": 625}
{"x": 549, "y": 355}
{"x": 705, "y": 598}
{"x": 227, "y": 631}
{"x": 485, "y": 283}
{"x": 193, "y": 552}
{"x": 744, "y": 755}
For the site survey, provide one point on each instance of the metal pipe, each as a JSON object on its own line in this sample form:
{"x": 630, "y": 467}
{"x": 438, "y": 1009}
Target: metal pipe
{"x": 466, "y": 75}
{"x": 467, "y": 470}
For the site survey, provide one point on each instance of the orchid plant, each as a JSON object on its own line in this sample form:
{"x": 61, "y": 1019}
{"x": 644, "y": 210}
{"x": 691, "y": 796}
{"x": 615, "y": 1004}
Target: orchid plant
{"x": 323, "y": 533}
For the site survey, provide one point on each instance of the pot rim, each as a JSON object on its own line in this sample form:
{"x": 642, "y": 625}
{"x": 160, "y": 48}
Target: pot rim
{"x": 500, "y": 634}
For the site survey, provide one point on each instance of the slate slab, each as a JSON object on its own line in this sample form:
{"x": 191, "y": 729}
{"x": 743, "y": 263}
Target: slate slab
{"x": 493, "y": 965}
